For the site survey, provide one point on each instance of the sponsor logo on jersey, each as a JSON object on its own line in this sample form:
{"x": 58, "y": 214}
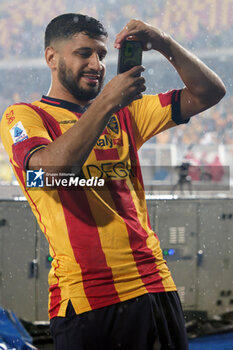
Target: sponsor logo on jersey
{"x": 10, "y": 117}
{"x": 35, "y": 178}
{"x": 18, "y": 133}
{"x": 105, "y": 141}
{"x": 108, "y": 170}
{"x": 67, "y": 122}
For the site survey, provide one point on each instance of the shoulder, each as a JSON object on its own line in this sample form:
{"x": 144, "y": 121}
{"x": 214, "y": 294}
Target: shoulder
{"x": 21, "y": 109}
{"x": 20, "y": 115}
{"x": 145, "y": 103}
{"x": 145, "y": 99}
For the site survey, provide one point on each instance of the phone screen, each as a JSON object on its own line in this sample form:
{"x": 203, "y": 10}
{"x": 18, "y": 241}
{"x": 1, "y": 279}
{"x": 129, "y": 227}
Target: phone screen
{"x": 130, "y": 55}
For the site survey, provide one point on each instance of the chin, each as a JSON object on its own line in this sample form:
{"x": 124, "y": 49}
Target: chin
{"x": 92, "y": 90}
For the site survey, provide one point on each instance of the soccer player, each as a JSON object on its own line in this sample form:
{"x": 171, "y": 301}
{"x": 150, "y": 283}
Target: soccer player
{"x": 109, "y": 286}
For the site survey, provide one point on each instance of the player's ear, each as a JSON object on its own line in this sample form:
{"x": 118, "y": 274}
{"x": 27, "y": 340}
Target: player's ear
{"x": 51, "y": 57}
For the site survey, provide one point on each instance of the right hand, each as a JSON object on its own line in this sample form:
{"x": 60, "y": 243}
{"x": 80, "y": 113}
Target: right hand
{"x": 125, "y": 88}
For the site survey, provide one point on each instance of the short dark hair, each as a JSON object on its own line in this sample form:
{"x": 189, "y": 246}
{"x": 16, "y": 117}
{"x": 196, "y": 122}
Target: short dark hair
{"x": 69, "y": 24}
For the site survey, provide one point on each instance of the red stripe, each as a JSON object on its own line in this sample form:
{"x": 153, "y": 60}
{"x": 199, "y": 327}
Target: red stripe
{"x": 84, "y": 238}
{"x": 54, "y": 102}
{"x": 126, "y": 125}
{"x": 105, "y": 132}
{"x": 50, "y": 123}
{"x": 143, "y": 256}
{"x": 21, "y": 149}
{"x": 54, "y": 290}
{"x": 106, "y": 154}
{"x": 166, "y": 98}
{"x": 55, "y": 299}
{"x": 118, "y": 142}
{"x": 78, "y": 115}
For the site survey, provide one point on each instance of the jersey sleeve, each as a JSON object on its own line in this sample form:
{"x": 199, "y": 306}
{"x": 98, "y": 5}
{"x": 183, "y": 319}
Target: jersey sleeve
{"x": 155, "y": 113}
{"x": 22, "y": 133}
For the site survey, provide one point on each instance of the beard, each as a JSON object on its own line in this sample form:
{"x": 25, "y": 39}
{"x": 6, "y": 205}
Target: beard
{"x": 71, "y": 83}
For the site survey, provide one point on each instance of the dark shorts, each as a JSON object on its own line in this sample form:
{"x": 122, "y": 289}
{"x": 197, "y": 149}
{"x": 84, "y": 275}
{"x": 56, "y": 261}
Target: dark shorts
{"x": 149, "y": 322}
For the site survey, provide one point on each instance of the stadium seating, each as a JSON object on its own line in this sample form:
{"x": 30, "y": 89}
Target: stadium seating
{"x": 22, "y": 22}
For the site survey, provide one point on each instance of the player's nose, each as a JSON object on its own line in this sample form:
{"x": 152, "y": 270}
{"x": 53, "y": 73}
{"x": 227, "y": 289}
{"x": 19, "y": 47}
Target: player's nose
{"x": 94, "y": 62}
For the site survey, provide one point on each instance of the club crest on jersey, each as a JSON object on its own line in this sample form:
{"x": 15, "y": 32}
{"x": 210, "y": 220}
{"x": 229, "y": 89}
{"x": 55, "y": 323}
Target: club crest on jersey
{"x": 10, "y": 117}
{"x": 113, "y": 124}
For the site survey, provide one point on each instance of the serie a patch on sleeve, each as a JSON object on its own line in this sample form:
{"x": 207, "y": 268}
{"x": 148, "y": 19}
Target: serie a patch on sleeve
{"x": 18, "y": 133}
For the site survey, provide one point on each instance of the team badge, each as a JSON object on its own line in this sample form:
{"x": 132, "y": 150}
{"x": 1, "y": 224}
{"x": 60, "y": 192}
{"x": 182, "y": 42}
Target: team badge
{"x": 10, "y": 117}
{"x": 18, "y": 133}
{"x": 113, "y": 124}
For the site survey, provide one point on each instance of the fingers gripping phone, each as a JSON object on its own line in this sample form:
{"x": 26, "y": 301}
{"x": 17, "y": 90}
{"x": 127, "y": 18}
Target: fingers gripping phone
{"x": 130, "y": 55}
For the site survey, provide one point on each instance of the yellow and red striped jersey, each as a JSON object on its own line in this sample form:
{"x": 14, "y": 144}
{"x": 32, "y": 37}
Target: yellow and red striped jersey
{"x": 104, "y": 250}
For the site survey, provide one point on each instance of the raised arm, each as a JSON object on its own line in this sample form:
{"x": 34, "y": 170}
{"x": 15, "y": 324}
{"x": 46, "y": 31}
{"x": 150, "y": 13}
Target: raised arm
{"x": 74, "y": 146}
{"x": 203, "y": 88}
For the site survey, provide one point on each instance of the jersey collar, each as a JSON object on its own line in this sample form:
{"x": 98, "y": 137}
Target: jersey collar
{"x": 73, "y": 107}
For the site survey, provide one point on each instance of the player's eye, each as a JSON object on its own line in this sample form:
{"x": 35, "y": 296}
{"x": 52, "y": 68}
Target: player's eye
{"x": 82, "y": 53}
{"x": 102, "y": 56}
{"x": 85, "y": 54}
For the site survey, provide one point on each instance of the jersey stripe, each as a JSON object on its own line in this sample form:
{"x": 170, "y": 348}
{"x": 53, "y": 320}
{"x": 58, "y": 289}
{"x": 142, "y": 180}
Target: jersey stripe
{"x": 135, "y": 163}
{"x": 106, "y": 154}
{"x": 125, "y": 273}
{"x": 166, "y": 98}
{"x": 85, "y": 241}
{"x": 29, "y": 154}
{"x": 22, "y": 150}
{"x": 55, "y": 299}
{"x": 49, "y": 121}
{"x": 143, "y": 256}
{"x": 126, "y": 125}
{"x": 53, "y": 102}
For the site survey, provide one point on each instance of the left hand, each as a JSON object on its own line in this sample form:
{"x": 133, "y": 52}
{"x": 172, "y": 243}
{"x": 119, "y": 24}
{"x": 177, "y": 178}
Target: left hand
{"x": 149, "y": 36}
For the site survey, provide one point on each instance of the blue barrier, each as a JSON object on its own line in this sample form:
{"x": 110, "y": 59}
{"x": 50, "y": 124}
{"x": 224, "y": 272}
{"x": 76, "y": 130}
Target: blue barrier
{"x": 213, "y": 342}
{"x": 12, "y": 333}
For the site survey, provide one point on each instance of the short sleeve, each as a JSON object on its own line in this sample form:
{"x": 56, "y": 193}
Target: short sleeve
{"x": 22, "y": 133}
{"x": 153, "y": 114}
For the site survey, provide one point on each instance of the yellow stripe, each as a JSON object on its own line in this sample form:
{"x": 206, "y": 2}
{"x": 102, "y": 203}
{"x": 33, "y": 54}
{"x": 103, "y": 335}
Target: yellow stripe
{"x": 36, "y": 149}
{"x": 116, "y": 246}
{"x": 69, "y": 271}
{"x": 152, "y": 243}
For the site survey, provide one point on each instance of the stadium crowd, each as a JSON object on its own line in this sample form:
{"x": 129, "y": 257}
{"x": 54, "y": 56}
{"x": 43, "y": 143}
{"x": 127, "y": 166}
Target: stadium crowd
{"x": 196, "y": 23}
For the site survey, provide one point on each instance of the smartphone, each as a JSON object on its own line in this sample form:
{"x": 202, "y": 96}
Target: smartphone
{"x": 130, "y": 55}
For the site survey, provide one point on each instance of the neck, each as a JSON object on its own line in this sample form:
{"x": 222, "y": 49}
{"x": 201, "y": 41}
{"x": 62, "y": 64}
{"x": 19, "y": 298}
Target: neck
{"x": 63, "y": 94}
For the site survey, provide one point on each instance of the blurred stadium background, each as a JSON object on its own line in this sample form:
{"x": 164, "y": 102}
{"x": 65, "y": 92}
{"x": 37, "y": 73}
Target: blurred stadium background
{"x": 190, "y": 227}
{"x": 203, "y": 26}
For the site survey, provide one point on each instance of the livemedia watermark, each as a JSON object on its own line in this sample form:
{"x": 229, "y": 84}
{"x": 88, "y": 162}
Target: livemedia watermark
{"x": 42, "y": 179}
{"x": 184, "y": 177}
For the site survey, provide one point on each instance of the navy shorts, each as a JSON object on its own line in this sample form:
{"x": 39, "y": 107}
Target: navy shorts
{"x": 149, "y": 322}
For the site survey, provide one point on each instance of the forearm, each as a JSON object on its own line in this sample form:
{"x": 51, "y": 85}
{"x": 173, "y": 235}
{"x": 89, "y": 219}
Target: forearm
{"x": 73, "y": 147}
{"x": 200, "y": 80}
{"x": 203, "y": 88}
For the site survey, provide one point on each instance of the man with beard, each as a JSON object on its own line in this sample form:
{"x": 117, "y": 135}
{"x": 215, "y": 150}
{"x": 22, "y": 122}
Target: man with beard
{"x": 110, "y": 287}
